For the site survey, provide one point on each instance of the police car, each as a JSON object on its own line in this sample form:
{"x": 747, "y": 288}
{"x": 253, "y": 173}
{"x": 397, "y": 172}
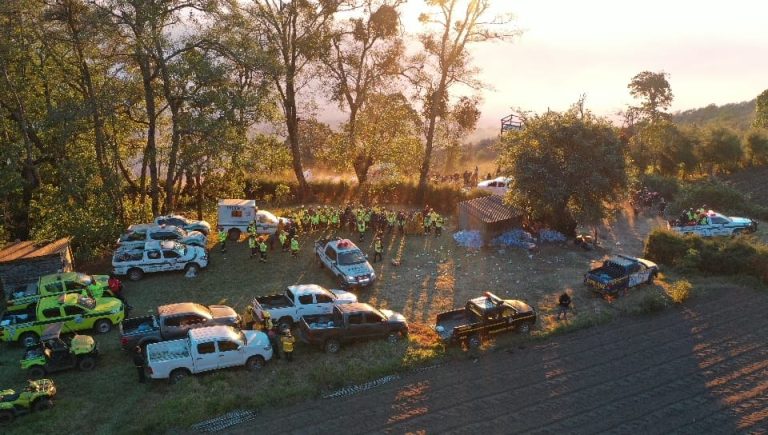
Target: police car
{"x": 158, "y": 257}
{"x": 346, "y": 261}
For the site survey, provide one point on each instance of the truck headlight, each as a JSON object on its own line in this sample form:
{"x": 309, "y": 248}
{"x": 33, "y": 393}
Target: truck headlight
{"x": 350, "y": 278}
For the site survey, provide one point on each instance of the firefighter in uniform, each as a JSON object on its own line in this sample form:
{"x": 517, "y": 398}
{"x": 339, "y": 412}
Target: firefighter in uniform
{"x": 295, "y": 247}
{"x": 287, "y": 341}
{"x": 223, "y": 239}
{"x": 378, "y": 248}
{"x": 438, "y": 225}
{"x": 252, "y": 245}
{"x": 269, "y": 328}
{"x": 283, "y": 240}
{"x": 361, "y": 228}
{"x": 263, "y": 250}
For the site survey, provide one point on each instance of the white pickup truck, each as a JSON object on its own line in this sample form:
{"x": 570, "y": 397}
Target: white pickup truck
{"x": 715, "y": 224}
{"x": 300, "y": 300}
{"x": 206, "y": 349}
{"x": 158, "y": 257}
{"x": 346, "y": 261}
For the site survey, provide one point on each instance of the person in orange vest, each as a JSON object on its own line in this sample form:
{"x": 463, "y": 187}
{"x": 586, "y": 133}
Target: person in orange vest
{"x": 287, "y": 341}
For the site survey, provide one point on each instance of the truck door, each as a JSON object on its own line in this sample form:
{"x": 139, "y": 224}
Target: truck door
{"x": 205, "y": 356}
{"x": 375, "y": 325}
{"x": 324, "y": 303}
{"x": 171, "y": 258}
{"x": 305, "y": 306}
{"x": 229, "y": 353}
{"x": 357, "y": 327}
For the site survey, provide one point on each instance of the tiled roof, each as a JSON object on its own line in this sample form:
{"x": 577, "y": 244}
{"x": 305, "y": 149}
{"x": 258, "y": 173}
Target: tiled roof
{"x": 489, "y": 209}
{"x": 29, "y": 249}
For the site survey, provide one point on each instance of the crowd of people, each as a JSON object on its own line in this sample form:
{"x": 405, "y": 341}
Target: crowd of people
{"x": 467, "y": 178}
{"x": 692, "y": 217}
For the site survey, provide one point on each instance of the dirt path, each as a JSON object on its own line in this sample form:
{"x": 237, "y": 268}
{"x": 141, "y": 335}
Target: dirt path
{"x": 699, "y": 369}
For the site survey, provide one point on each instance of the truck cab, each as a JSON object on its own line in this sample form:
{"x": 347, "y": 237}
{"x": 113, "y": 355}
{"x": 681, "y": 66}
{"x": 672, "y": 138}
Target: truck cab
{"x": 346, "y": 261}
{"x": 235, "y": 215}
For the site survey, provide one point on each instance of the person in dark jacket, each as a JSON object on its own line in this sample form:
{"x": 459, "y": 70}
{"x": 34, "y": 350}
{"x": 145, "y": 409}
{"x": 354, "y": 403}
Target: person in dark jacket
{"x": 138, "y": 362}
{"x": 564, "y": 304}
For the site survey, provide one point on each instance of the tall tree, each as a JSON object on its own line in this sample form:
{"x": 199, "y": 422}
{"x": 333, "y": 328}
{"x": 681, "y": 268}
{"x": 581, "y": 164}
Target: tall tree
{"x": 761, "y": 110}
{"x": 297, "y": 35}
{"x": 366, "y": 53}
{"x": 566, "y": 168}
{"x": 452, "y": 26}
{"x": 654, "y": 92}
{"x": 720, "y": 150}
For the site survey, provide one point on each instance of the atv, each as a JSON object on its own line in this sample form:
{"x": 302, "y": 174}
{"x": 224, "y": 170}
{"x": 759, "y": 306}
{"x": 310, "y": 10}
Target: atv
{"x": 38, "y": 396}
{"x": 54, "y": 354}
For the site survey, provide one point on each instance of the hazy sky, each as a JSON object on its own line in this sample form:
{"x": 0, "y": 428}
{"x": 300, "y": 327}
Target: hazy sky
{"x": 714, "y": 52}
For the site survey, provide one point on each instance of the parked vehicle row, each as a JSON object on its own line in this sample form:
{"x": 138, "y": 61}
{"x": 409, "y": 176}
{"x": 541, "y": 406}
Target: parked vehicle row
{"x": 154, "y": 257}
{"x": 56, "y": 284}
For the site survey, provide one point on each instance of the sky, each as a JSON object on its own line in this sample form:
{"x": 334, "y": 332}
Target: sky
{"x": 714, "y": 52}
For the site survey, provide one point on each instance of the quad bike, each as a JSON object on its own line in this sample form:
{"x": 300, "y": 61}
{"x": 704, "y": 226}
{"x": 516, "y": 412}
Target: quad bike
{"x": 38, "y": 396}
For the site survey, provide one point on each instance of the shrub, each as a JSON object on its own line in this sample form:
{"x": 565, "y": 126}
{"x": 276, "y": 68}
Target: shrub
{"x": 282, "y": 193}
{"x": 664, "y": 246}
{"x": 717, "y": 196}
{"x": 650, "y": 303}
{"x": 667, "y": 186}
{"x": 679, "y": 291}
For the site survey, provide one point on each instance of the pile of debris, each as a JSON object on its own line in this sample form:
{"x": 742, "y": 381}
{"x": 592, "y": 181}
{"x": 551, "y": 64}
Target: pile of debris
{"x": 468, "y": 239}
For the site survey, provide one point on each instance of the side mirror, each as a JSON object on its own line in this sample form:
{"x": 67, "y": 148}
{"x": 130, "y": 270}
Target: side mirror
{"x": 333, "y": 262}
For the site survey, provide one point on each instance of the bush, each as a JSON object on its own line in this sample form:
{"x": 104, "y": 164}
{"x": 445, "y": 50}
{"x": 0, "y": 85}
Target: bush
{"x": 679, "y": 291}
{"x": 741, "y": 255}
{"x": 652, "y": 302}
{"x": 717, "y": 196}
{"x": 667, "y": 186}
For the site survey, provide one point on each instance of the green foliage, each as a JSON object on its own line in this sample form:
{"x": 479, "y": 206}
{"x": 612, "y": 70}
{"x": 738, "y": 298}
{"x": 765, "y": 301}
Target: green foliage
{"x": 653, "y": 91}
{"x": 679, "y": 291}
{"x": 717, "y": 196}
{"x": 756, "y": 147}
{"x": 565, "y": 168}
{"x": 666, "y": 185}
{"x": 282, "y": 194}
{"x": 718, "y": 256}
{"x": 721, "y": 150}
{"x": 652, "y": 302}
{"x": 738, "y": 116}
{"x": 761, "y": 110}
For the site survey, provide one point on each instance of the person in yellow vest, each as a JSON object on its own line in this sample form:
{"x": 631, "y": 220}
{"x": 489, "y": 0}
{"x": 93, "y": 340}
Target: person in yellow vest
{"x": 253, "y": 229}
{"x": 263, "y": 250}
{"x": 223, "y": 239}
{"x": 283, "y": 236}
{"x": 438, "y": 225}
{"x": 378, "y": 248}
{"x": 314, "y": 220}
{"x": 361, "y": 228}
{"x": 269, "y": 328}
{"x": 287, "y": 341}
{"x": 248, "y": 320}
{"x": 427, "y": 223}
{"x": 252, "y": 245}
{"x": 295, "y": 247}
{"x": 335, "y": 219}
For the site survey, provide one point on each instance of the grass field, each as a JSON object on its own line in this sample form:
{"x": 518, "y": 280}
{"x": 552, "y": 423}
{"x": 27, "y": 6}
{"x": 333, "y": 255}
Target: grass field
{"x": 434, "y": 275}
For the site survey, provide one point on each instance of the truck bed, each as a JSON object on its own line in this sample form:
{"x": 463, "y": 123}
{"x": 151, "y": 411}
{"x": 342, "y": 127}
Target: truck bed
{"x": 453, "y": 319}
{"x": 274, "y": 301}
{"x": 322, "y": 321}
{"x": 139, "y": 325}
{"x": 168, "y": 351}
{"x": 606, "y": 273}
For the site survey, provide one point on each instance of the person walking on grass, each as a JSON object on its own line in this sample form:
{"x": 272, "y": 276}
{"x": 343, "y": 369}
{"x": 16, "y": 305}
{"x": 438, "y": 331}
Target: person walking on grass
{"x": 563, "y": 305}
{"x": 263, "y": 250}
{"x": 223, "y": 239}
{"x": 252, "y": 245}
{"x": 378, "y": 248}
{"x": 295, "y": 247}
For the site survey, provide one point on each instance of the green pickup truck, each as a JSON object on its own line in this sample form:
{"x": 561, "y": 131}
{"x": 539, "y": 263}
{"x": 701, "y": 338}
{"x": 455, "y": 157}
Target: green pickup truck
{"x": 56, "y": 284}
{"x": 75, "y": 311}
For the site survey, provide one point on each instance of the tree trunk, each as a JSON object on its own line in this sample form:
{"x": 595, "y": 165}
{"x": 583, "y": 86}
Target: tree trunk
{"x": 199, "y": 193}
{"x": 151, "y": 149}
{"x": 292, "y": 122}
{"x": 437, "y": 99}
{"x": 174, "y": 103}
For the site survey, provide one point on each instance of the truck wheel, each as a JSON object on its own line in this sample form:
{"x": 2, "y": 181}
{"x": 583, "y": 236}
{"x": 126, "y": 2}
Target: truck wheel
{"x": 102, "y": 326}
{"x": 651, "y": 277}
{"x": 332, "y": 346}
{"x": 6, "y": 417}
{"x": 177, "y": 376}
{"x": 36, "y": 372}
{"x": 285, "y": 322}
{"x": 192, "y": 266}
{"x": 28, "y": 339}
{"x": 42, "y": 404}
{"x": 135, "y": 274}
{"x": 474, "y": 342}
{"x": 233, "y": 235}
{"x": 525, "y": 328}
{"x": 736, "y": 232}
{"x": 87, "y": 363}
{"x": 254, "y": 363}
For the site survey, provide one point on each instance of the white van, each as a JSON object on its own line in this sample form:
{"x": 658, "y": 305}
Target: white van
{"x": 235, "y": 215}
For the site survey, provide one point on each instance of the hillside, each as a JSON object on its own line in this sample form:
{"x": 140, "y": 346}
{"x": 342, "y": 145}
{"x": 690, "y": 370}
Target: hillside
{"x": 738, "y": 116}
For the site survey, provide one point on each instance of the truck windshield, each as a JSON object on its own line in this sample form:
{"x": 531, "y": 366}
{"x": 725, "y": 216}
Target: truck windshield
{"x": 84, "y": 279}
{"x": 351, "y": 257}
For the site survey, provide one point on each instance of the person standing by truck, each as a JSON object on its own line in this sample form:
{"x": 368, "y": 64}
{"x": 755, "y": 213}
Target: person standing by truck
{"x": 223, "y": 239}
{"x": 564, "y": 304}
{"x": 287, "y": 341}
{"x": 252, "y": 245}
{"x": 271, "y": 330}
{"x": 116, "y": 288}
{"x": 263, "y": 250}
{"x": 138, "y": 362}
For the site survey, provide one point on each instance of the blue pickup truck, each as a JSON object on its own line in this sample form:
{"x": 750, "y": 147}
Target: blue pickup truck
{"x": 620, "y": 272}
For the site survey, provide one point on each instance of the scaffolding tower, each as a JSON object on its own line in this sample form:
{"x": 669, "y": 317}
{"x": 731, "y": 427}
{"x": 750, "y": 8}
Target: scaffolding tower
{"x": 511, "y": 122}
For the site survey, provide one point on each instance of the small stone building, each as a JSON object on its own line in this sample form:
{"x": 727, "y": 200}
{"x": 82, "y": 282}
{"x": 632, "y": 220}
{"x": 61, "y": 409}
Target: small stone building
{"x": 489, "y": 215}
{"x": 22, "y": 263}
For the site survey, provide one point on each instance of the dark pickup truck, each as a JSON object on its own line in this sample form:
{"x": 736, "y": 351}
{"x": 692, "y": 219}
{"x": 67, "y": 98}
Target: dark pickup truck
{"x": 482, "y": 316}
{"x": 352, "y": 322}
{"x": 620, "y": 273}
{"x": 173, "y": 321}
